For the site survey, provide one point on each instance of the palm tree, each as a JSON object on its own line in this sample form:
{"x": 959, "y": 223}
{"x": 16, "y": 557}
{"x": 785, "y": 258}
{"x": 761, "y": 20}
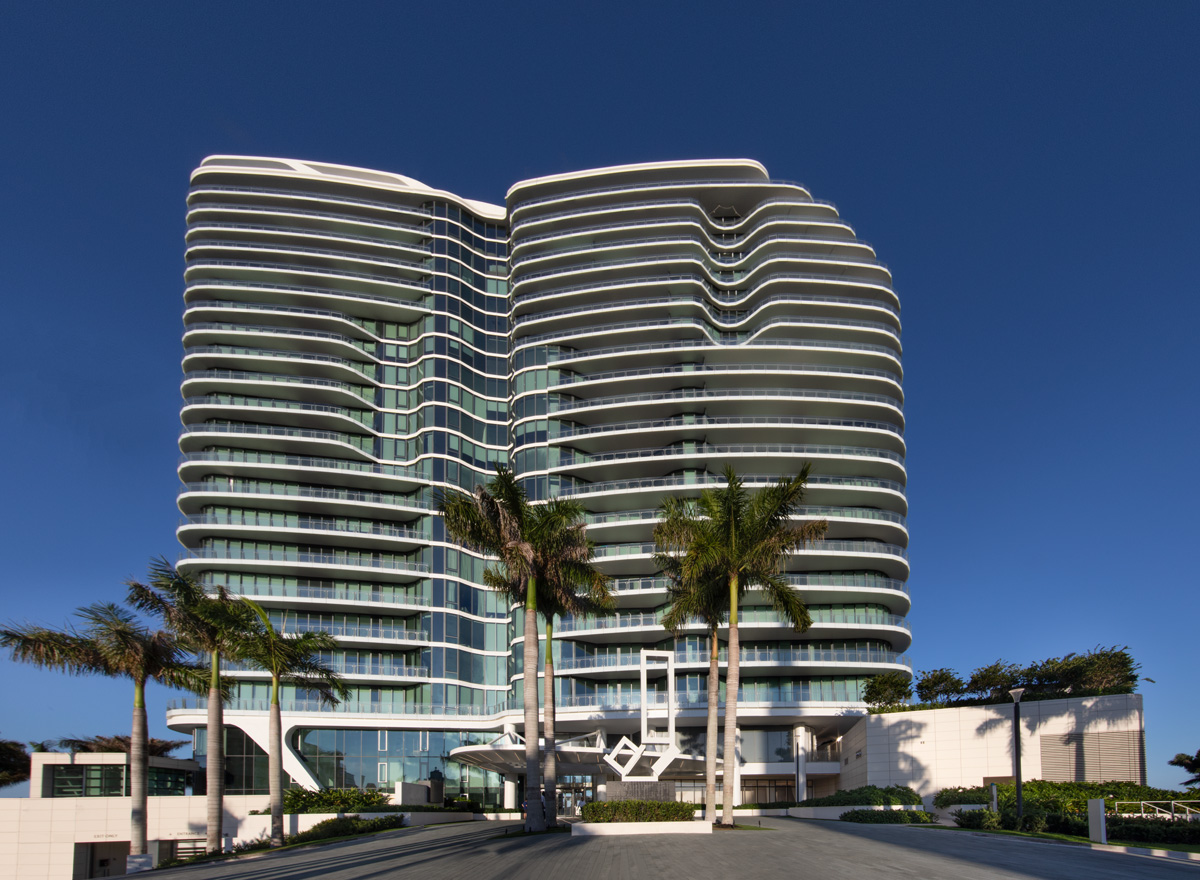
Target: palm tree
{"x": 289, "y": 659}
{"x": 707, "y": 600}
{"x": 155, "y": 748}
{"x": 541, "y": 551}
{"x": 1189, "y": 764}
{"x": 568, "y": 584}
{"x": 112, "y": 642}
{"x": 208, "y": 622}
{"x": 14, "y": 762}
{"x": 739, "y": 539}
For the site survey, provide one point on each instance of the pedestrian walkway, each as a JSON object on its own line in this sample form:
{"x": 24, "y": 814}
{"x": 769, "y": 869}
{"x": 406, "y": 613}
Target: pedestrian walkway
{"x": 786, "y": 848}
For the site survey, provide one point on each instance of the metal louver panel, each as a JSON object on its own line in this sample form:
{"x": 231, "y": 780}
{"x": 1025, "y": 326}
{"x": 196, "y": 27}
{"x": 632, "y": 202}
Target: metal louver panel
{"x": 1094, "y": 757}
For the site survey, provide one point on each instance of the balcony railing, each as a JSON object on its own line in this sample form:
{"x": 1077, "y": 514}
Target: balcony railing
{"x": 748, "y": 655}
{"x": 339, "y": 560}
{"x": 346, "y": 667}
{"x": 559, "y": 405}
{"x": 560, "y": 431}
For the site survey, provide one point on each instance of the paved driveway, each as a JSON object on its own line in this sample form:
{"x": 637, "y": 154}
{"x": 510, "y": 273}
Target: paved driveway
{"x": 790, "y": 849}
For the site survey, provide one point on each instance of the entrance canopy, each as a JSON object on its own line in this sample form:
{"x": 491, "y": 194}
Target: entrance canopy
{"x": 579, "y": 756}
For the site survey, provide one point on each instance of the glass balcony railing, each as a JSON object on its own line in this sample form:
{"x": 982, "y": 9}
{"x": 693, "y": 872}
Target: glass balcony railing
{"x": 560, "y": 431}
{"x": 748, "y": 655}
{"x": 338, "y": 560}
{"x": 718, "y": 317}
{"x": 707, "y": 281}
{"x": 567, "y": 356}
{"x": 196, "y": 244}
{"x": 334, "y": 594}
{"x": 651, "y": 515}
{"x": 364, "y": 445}
{"x": 248, "y": 376}
{"x": 746, "y": 615}
{"x": 666, "y": 185}
{"x": 558, "y": 404}
{"x": 607, "y": 701}
{"x": 690, "y": 369}
{"x": 206, "y": 262}
{"x": 288, "y": 226}
{"x": 309, "y": 196}
{"x": 279, "y": 520}
{"x": 356, "y": 630}
{"x": 568, "y": 457}
{"x": 706, "y": 479}
{"x": 705, "y": 243}
{"x": 224, "y": 401}
{"x": 230, "y": 486}
{"x": 361, "y": 367}
{"x": 715, "y": 334}
{"x": 246, "y": 456}
{"x": 346, "y": 667}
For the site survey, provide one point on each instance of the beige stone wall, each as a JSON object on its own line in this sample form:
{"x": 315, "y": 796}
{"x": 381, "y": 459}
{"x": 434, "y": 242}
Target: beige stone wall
{"x": 937, "y": 748}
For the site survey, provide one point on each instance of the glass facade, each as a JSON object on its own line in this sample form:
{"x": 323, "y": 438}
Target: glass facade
{"x": 111, "y": 780}
{"x": 357, "y": 344}
{"x": 353, "y": 758}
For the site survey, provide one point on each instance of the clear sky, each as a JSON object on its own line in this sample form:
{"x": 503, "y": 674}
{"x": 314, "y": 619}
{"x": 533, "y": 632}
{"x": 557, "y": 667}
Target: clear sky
{"x": 1029, "y": 172}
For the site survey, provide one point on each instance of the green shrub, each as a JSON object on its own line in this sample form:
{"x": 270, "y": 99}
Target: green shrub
{"x": 868, "y": 796}
{"x": 1138, "y": 830}
{"x": 1060, "y": 823}
{"x": 638, "y": 811}
{"x": 982, "y": 820}
{"x": 1065, "y": 798}
{"x": 889, "y": 817}
{"x": 949, "y": 797}
{"x": 335, "y": 800}
{"x": 1033, "y": 819}
{"x": 344, "y": 827}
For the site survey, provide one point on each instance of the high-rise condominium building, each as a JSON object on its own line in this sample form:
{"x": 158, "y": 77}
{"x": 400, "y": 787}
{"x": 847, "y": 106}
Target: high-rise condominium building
{"x": 356, "y": 341}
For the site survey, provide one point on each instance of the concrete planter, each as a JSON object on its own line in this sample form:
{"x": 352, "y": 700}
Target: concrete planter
{"x": 604, "y": 829}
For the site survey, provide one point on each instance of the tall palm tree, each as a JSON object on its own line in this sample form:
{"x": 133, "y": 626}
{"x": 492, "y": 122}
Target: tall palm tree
{"x": 1189, "y": 764}
{"x": 536, "y": 546}
{"x": 568, "y": 584}
{"x": 210, "y": 623}
{"x": 707, "y": 600}
{"x": 289, "y": 659}
{"x": 741, "y": 540}
{"x": 111, "y": 641}
{"x": 14, "y": 762}
{"x": 155, "y": 748}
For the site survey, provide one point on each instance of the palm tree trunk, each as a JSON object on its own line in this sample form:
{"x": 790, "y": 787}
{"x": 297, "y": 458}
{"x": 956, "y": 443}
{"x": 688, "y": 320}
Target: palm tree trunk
{"x": 535, "y": 818}
{"x": 729, "y": 762}
{"x": 710, "y": 739}
{"x": 139, "y": 771}
{"x": 215, "y": 759}
{"x": 275, "y": 765}
{"x": 551, "y": 772}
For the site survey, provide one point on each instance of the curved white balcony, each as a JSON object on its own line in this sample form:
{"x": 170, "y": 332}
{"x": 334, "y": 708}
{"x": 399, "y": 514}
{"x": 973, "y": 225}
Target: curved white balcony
{"x": 302, "y": 563}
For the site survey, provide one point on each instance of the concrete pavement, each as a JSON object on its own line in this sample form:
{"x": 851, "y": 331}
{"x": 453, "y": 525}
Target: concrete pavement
{"x": 791, "y": 848}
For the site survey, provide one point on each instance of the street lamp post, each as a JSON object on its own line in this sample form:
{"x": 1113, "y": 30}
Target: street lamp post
{"x": 1016, "y": 693}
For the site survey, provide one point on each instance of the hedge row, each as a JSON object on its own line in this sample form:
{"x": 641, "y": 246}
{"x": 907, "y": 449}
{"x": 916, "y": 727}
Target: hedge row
{"x": 330, "y": 828}
{"x": 1127, "y": 830}
{"x": 1059, "y": 797}
{"x": 638, "y": 811}
{"x": 1153, "y": 830}
{"x": 868, "y": 796}
{"x": 889, "y": 817}
{"x": 356, "y": 800}
{"x": 344, "y": 827}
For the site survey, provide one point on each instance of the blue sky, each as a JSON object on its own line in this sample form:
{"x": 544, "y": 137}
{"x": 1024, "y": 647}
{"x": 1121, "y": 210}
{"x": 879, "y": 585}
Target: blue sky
{"x": 1028, "y": 171}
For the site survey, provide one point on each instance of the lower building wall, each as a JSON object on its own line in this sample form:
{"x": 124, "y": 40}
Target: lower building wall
{"x": 934, "y": 749}
{"x": 46, "y": 838}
